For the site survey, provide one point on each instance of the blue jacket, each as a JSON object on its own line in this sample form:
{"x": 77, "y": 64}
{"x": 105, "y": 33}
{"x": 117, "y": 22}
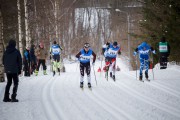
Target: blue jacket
{"x": 144, "y": 49}
{"x": 111, "y": 52}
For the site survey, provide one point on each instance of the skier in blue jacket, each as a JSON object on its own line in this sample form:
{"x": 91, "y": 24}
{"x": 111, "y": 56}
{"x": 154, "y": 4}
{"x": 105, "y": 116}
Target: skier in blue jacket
{"x": 55, "y": 52}
{"x": 144, "y": 51}
{"x": 84, "y": 57}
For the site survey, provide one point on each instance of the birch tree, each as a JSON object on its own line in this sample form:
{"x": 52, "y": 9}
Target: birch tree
{"x": 1, "y": 50}
{"x": 19, "y": 27}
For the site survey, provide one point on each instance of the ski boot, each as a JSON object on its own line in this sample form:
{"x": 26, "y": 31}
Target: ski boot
{"x": 113, "y": 77}
{"x": 81, "y": 84}
{"x": 6, "y": 98}
{"x": 36, "y": 72}
{"x": 89, "y": 85}
{"x": 140, "y": 77}
{"x": 54, "y": 73}
{"x": 44, "y": 72}
{"x": 111, "y": 74}
{"x": 59, "y": 71}
{"x": 146, "y": 75}
{"x": 13, "y": 98}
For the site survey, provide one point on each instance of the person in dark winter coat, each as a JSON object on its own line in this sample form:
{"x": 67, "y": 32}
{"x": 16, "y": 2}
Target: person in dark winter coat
{"x": 26, "y": 62}
{"x": 84, "y": 57}
{"x": 164, "y": 51}
{"x": 33, "y": 58}
{"x": 12, "y": 62}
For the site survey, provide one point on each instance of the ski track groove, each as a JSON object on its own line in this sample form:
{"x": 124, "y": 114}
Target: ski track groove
{"x": 150, "y": 101}
{"x": 115, "y": 111}
{"x": 161, "y": 87}
{"x": 114, "y": 107}
{"x": 59, "y": 111}
{"x": 69, "y": 93}
{"x": 116, "y": 90}
{"x": 84, "y": 91}
{"x": 48, "y": 104}
{"x": 105, "y": 106}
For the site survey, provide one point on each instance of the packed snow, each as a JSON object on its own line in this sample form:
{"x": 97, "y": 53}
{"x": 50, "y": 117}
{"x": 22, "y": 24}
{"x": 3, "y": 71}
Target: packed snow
{"x": 45, "y": 97}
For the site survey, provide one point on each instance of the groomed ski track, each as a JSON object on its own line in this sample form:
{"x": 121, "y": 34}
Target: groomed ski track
{"x": 61, "y": 98}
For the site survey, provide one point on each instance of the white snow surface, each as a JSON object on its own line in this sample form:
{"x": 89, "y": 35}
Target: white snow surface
{"x": 45, "y": 97}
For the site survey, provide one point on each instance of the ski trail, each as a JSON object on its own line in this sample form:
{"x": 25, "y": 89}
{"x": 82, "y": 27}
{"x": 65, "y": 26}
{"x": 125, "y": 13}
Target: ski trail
{"x": 54, "y": 99}
{"x": 114, "y": 108}
{"x": 69, "y": 104}
{"x": 86, "y": 104}
{"x": 161, "y": 87}
{"x": 107, "y": 105}
{"x": 148, "y": 100}
{"x": 165, "y": 89}
{"x": 48, "y": 104}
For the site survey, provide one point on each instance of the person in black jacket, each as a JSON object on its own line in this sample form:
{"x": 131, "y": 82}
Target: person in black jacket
{"x": 12, "y": 62}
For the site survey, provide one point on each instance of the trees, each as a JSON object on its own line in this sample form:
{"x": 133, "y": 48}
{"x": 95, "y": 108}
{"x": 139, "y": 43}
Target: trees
{"x": 162, "y": 18}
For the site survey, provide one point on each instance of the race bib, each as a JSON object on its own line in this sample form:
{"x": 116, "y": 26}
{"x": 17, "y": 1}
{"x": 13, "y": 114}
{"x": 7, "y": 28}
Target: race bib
{"x": 55, "y": 50}
{"x": 163, "y": 48}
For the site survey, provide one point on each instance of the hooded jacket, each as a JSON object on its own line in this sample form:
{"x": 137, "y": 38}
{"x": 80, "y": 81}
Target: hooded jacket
{"x": 12, "y": 59}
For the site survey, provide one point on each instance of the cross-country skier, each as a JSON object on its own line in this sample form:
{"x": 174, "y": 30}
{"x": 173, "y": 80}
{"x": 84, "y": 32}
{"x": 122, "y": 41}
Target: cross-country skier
{"x": 164, "y": 51}
{"x": 110, "y": 57}
{"x": 84, "y": 57}
{"x": 55, "y": 52}
{"x": 144, "y": 50}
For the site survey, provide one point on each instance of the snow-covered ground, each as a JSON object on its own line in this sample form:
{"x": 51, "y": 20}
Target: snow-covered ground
{"x": 44, "y": 97}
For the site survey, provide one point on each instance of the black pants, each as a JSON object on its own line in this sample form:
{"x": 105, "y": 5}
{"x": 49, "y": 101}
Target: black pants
{"x": 33, "y": 67}
{"x": 163, "y": 62}
{"x": 12, "y": 77}
{"x": 41, "y": 61}
{"x": 85, "y": 67}
{"x": 26, "y": 68}
{"x": 56, "y": 58}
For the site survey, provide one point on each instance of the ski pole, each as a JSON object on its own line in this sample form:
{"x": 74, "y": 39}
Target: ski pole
{"x": 95, "y": 76}
{"x": 136, "y": 67}
{"x": 101, "y": 64}
{"x": 77, "y": 65}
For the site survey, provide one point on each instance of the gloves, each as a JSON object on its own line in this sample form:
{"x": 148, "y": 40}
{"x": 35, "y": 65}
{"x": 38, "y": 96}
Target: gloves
{"x": 134, "y": 54}
{"x": 93, "y": 63}
{"x": 119, "y": 53}
{"x": 154, "y": 52}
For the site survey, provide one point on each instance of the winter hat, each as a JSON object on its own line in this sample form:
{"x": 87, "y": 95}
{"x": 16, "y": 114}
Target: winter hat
{"x": 107, "y": 43}
{"x": 54, "y": 42}
{"x": 115, "y": 43}
{"x": 86, "y": 45}
{"x": 12, "y": 43}
{"x": 163, "y": 39}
